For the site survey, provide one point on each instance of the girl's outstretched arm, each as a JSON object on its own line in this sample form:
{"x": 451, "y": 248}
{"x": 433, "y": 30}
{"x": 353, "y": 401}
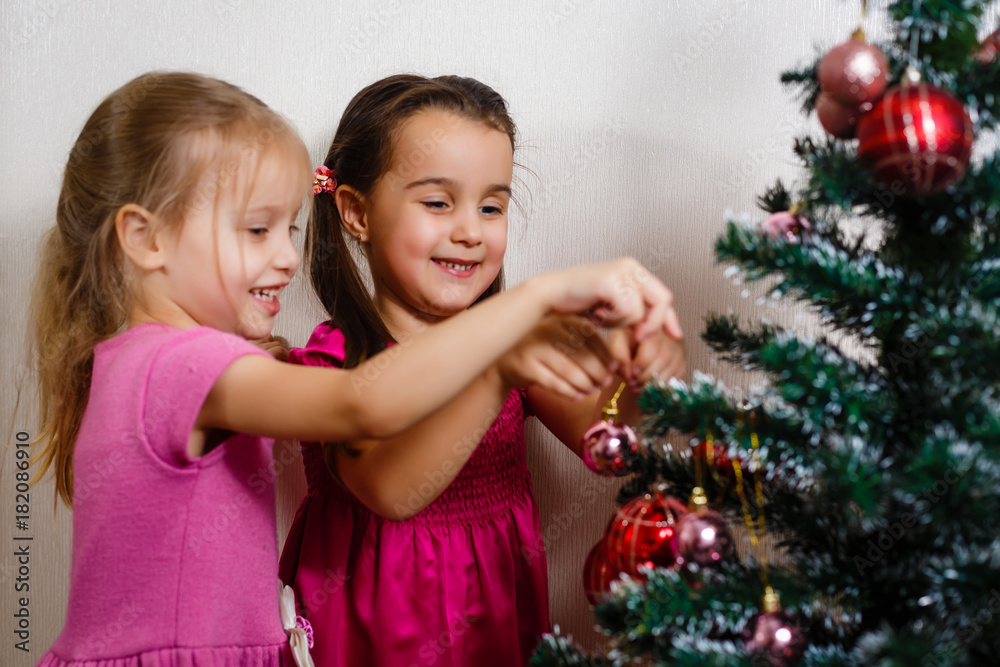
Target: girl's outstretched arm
{"x": 399, "y": 476}
{"x": 384, "y": 396}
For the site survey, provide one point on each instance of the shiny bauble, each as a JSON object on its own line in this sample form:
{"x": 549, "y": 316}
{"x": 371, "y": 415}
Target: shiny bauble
{"x": 854, "y": 73}
{"x": 776, "y": 638}
{"x": 917, "y": 140}
{"x": 642, "y": 533}
{"x": 609, "y": 448}
{"x": 717, "y": 457}
{"x": 785, "y": 225}
{"x": 837, "y": 118}
{"x": 598, "y": 573}
{"x": 704, "y": 538}
{"x": 988, "y": 50}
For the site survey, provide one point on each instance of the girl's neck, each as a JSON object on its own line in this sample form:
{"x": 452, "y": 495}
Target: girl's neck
{"x": 401, "y": 319}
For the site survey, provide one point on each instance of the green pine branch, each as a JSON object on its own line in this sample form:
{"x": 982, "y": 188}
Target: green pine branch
{"x": 776, "y": 198}
{"x": 556, "y": 650}
{"x": 978, "y": 90}
{"x": 943, "y": 32}
{"x": 858, "y": 293}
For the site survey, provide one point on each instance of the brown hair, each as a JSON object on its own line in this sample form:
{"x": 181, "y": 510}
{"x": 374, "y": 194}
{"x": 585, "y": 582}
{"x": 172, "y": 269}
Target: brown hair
{"x": 151, "y": 143}
{"x": 361, "y": 154}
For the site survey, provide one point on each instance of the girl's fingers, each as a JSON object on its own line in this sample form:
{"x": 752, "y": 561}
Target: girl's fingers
{"x": 659, "y": 303}
{"x": 577, "y": 333}
{"x": 616, "y": 299}
{"x": 672, "y": 325}
{"x": 659, "y": 355}
{"x": 596, "y": 361}
{"x": 557, "y": 382}
{"x": 619, "y": 344}
{"x": 583, "y": 372}
{"x": 617, "y": 294}
{"x": 579, "y": 343}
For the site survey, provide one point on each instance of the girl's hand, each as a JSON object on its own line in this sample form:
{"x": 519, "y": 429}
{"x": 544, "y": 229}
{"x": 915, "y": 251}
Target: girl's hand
{"x": 659, "y": 355}
{"x": 616, "y": 293}
{"x": 564, "y": 354}
{"x": 276, "y": 346}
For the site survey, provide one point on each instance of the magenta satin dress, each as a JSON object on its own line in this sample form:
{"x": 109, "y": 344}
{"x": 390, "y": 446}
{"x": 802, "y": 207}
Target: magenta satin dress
{"x": 462, "y": 583}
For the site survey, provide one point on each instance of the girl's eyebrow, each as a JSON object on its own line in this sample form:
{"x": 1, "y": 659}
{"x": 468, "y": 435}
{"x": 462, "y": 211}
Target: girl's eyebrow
{"x": 432, "y": 180}
{"x": 268, "y": 209}
{"x": 451, "y": 183}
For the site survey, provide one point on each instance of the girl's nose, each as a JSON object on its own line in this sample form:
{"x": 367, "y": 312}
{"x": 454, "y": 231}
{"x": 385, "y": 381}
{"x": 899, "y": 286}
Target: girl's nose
{"x": 287, "y": 257}
{"x": 468, "y": 229}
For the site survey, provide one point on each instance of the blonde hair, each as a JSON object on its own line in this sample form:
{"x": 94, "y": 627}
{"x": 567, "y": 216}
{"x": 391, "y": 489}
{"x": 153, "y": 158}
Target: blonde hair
{"x": 150, "y": 143}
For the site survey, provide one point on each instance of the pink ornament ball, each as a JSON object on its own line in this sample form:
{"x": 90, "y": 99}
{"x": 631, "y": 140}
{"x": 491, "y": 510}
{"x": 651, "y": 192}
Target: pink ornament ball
{"x": 840, "y": 120}
{"x": 777, "y": 640}
{"x": 608, "y": 448}
{"x": 854, "y": 73}
{"x": 703, "y": 538}
{"x": 785, "y": 225}
{"x": 987, "y": 52}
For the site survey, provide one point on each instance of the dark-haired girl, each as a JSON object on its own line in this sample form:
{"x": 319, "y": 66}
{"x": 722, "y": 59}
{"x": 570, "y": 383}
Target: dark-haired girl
{"x": 425, "y": 548}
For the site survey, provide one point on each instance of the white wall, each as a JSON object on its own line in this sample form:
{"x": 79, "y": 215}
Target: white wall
{"x": 641, "y": 123}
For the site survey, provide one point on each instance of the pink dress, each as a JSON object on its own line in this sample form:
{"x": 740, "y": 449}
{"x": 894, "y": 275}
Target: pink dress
{"x": 462, "y": 583}
{"x": 175, "y": 559}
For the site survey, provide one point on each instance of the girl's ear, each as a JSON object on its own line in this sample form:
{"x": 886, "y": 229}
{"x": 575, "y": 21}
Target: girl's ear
{"x": 353, "y": 215}
{"x": 138, "y": 236}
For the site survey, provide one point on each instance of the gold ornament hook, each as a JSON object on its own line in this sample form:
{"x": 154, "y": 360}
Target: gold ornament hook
{"x": 610, "y": 411}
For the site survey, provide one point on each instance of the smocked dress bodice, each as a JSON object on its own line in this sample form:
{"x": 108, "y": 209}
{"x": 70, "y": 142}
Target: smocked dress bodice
{"x": 493, "y": 479}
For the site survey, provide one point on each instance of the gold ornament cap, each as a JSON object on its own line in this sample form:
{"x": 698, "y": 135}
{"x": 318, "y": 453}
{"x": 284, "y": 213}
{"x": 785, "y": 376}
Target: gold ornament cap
{"x": 699, "y": 501}
{"x": 772, "y": 603}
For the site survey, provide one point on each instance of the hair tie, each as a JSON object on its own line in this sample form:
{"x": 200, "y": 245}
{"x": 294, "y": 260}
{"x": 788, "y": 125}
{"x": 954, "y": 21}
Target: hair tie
{"x": 324, "y": 180}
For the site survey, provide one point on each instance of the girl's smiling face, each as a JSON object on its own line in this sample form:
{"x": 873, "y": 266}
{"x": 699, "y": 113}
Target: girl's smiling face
{"x": 231, "y": 258}
{"x": 437, "y": 220}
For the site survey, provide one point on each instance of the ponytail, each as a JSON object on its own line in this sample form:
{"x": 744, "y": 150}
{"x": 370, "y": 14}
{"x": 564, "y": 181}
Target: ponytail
{"x": 72, "y": 312}
{"x": 337, "y": 281}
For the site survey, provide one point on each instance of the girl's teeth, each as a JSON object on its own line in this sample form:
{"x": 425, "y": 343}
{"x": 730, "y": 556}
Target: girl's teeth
{"x": 264, "y": 295}
{"x": 457, "y": 267}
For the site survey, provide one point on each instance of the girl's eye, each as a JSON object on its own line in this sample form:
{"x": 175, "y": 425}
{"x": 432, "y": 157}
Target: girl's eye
{"x": 258, "y": 231}
{"x": 435, "y": 205}
{"x": 491, "y": 209}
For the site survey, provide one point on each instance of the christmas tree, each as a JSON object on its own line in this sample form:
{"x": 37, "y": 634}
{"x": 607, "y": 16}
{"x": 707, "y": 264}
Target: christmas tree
{"x": 872, "y": 455}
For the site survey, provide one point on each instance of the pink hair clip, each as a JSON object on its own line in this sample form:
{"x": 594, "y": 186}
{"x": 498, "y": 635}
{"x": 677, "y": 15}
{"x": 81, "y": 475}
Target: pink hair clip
{"x": 324, "y": 180}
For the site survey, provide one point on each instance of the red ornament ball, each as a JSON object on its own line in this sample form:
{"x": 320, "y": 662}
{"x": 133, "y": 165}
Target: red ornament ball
{"x": 608, "y": 448}
{"x": 718, "y": 457}
{"x": 777, "y": 638}
{"x": 837, "y": 118}
{"x": 917, "y": 140}
{"x": 642, "y": 533}
{"x": 854, "y": 73}
{"x": 598, "y": 573}
{"x": 704, "y": 538}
